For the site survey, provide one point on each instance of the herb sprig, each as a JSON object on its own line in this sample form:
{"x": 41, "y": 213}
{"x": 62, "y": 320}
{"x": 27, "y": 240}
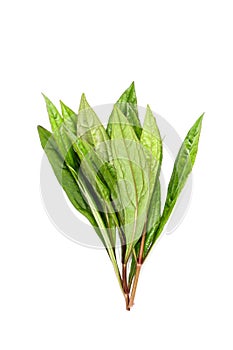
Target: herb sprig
{"x": 111, "y": 176}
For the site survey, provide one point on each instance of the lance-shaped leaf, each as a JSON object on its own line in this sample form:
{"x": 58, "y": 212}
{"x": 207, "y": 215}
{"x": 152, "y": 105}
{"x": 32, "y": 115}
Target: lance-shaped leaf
{"x": 182, "y": 168}
{"x": 132, "y": 176}
{"x": 89, "y": 127}
{"x": 91, "y": 130}
{"x": 63, "y": 174}
{"x": 153, "y": 219}
{"x": 55, "y": 117}
{"x": 69, "y": 117}
{"x": 152, "y": 143}
{"x": 127, "y": 103}
{"x": 63, "y": 142}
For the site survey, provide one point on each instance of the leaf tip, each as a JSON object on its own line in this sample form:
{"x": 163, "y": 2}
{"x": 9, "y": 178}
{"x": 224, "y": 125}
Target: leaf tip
{"x": 63, "y": 107}
{"x": 83, "y": 97}
{"x": 132, "y": 86}
{"x": 47, "y": 101}
{"x": 199, "y": 120}
{"x": 83, "y": 102}
{"x": 45, "y": 97}
{"x": 202, "y": 116}
{"x": 132, "y": 92}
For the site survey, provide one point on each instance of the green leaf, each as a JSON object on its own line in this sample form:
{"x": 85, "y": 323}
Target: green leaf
{"x": 63, "y": 174}
{"x": 153, "y": 219}
{"x": 55, "y": 117}
{"x": 70, "y": 118}
{"x": 182, "y": 168}
{"x": 127, "y": 103}
{"x": 151, "y": 140}
{"x": 152, "y": 143}
{"x": 63, "y": 142}
{"x": 89, "y": 127}
{"x": 91, "y": 130}
{"x": 132, "y": 175}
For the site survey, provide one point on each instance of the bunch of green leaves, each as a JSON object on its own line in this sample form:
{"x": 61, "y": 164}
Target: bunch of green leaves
{"x": 112, "y": 177}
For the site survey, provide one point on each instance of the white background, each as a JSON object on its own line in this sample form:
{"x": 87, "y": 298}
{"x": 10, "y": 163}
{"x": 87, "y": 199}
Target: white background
{"x": 55, "y": 294}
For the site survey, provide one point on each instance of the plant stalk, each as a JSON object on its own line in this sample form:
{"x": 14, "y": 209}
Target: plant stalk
{"x": 138, "y": 269}
{"x": 125, "y": 285}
